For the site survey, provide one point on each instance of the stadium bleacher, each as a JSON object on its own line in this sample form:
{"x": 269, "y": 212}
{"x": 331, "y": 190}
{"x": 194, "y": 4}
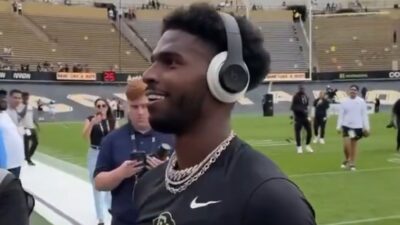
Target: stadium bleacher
{"x": 76, "y": 34}
{"x": 358, "y": 43}
{"x": 280, "y": 33}
{"x": 84, "y": 35}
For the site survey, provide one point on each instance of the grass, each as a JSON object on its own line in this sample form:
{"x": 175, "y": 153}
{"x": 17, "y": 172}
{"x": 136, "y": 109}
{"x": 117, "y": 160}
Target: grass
{"x": 37, "y": 219}
{"x": 337, "y": 195}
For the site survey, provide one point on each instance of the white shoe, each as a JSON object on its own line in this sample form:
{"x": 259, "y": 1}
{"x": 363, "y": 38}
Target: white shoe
{"x": 353, "y": 168}
{"x": 300, "y": 150}
{"x": 343, "y": 165}
{"x": 316, "y": 140}
{"x": 321, "y": 141}
{"x": 309, "y": 149}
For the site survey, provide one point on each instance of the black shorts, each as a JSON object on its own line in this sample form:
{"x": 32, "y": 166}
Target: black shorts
{"x": 355, "y": 134}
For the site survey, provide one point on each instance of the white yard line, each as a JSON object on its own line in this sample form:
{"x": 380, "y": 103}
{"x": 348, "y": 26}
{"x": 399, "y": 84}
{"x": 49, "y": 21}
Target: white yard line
{"x": 345, "y": 172}
{"x": 368, "y": 220}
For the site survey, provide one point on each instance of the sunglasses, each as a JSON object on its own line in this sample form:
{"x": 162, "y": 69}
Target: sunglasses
{"x": 101, "y": 106}
{"x": 353, "y": 89}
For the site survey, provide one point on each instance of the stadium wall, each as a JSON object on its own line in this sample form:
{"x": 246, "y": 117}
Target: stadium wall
{"x": 111, "y": 77}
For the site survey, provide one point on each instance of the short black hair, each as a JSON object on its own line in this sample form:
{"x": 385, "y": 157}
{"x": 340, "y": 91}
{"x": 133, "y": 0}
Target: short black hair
{"x": 202, "y": 20}
{"x": 355, "y": 86}
{"x": 25, "y": 94}
{"x": 3, "y": 92}
{"x": 15, "y": 91}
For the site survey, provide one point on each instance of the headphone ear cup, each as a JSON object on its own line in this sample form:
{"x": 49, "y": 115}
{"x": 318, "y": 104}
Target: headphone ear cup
{"x": 214, "y": 83}
{"x": 213, "y": 74}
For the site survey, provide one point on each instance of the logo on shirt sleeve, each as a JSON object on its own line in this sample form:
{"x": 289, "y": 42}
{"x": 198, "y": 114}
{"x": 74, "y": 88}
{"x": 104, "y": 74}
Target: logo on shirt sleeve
{"x": 164, "y": 218}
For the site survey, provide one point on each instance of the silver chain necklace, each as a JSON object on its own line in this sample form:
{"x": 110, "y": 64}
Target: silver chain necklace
{"x": 179, "y": 180}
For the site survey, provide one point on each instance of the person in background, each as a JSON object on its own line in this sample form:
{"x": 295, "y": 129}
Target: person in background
{"x": 3, "y": 153}
{"x": 52, "y": 109}
{"x": 364, "y": 91}
{"x": 14, "y": 102}
{"x": 29, "y": 123}
{"x": 96, "y": 127}
{"x": 331, "y": 93}
{"x": 396, "y": 121}
{"x": 353, "y": 122}
{"x": 377, "y": 105}
{"x": 321, "y": 106}
{"x": 40, "y": 105}
{"x": 116, "y": 170}
{"x": 299, "y": 107}
{"x": 11, "y": 141}
{"x": 121, "y": 109}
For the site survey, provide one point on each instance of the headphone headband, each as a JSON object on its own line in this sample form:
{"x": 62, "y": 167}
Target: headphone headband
{"x": 233, "y": 38}
{"x": 227, "y": 75}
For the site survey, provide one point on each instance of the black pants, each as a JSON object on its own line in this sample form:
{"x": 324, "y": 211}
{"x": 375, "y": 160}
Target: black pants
{"x": 297, "y": 129}
{"x": 30, "y": 148}
{"x": 319, "y": 123}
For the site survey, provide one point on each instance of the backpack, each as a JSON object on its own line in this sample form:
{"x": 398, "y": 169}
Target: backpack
{"x": 16, "y": 205}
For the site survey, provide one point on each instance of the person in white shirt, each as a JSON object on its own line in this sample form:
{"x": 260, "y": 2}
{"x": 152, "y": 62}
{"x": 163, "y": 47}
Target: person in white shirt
{"x": 353, "y": 122}
{"x": 12, "y": 142}
{"x": 14, "y": 100}
{"x": 29, "y": 124}
{"x": 14, "y": 103}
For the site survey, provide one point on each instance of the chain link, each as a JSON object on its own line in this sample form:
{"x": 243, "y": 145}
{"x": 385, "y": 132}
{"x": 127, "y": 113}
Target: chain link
{"x": 179, "y": 180}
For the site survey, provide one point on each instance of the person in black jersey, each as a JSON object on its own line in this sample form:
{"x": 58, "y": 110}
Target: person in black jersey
{"x": 95, "y": 129}
{"x": 299, "y": 107}
{"x": 213, "y": 177}
{"x": 321, "y": 106}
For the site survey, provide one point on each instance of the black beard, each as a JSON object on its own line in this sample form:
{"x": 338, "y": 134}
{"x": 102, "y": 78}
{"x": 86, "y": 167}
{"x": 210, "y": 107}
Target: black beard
{"x": 182, "y": 115}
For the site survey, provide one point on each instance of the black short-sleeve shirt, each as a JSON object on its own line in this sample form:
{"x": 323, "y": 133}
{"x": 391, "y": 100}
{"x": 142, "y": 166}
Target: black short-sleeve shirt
{"x": 243, "y": 187}
{"x": 100, "y": 130}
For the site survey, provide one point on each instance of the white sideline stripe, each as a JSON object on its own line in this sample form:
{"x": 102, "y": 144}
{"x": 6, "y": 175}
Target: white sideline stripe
{"x": 259, "y": 140}
{"x": 270, "y": 145}
{"x": 50, "y": 215}
{"x": 374, "y": 219}
{"x": 345, "y": 172}
{"x": 63, "y": 191}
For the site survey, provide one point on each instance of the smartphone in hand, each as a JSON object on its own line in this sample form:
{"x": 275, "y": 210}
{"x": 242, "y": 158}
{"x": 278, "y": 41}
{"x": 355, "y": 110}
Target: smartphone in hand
{"x": 139, "y": 156}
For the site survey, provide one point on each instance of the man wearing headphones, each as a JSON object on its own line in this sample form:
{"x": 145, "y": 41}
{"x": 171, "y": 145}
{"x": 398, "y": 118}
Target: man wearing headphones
{"x": 199, "y": 71}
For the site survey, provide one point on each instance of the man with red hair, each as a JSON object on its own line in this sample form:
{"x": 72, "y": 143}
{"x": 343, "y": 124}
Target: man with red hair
{"x": 115, "y": 170}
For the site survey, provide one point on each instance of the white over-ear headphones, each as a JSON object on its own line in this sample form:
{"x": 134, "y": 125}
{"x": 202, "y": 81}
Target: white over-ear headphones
{"x": 227, "y": 75}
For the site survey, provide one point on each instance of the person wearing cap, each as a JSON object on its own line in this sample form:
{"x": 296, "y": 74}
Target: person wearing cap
{"x": 353, "y": 123}
{"x": 115, "y": 170}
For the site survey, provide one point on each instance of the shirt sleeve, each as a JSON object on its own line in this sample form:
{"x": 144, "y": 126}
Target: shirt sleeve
{"x": 278, "y": 201}
{"x": 365, "y": 116}
{"x": 340, "y": 116}
{"x": 3, "y": 155}
{"x": 104, "y": 160}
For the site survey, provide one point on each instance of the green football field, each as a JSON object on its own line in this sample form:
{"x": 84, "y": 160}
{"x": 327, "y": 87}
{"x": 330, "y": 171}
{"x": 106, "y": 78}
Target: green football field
{"x": 371, "y": 195}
